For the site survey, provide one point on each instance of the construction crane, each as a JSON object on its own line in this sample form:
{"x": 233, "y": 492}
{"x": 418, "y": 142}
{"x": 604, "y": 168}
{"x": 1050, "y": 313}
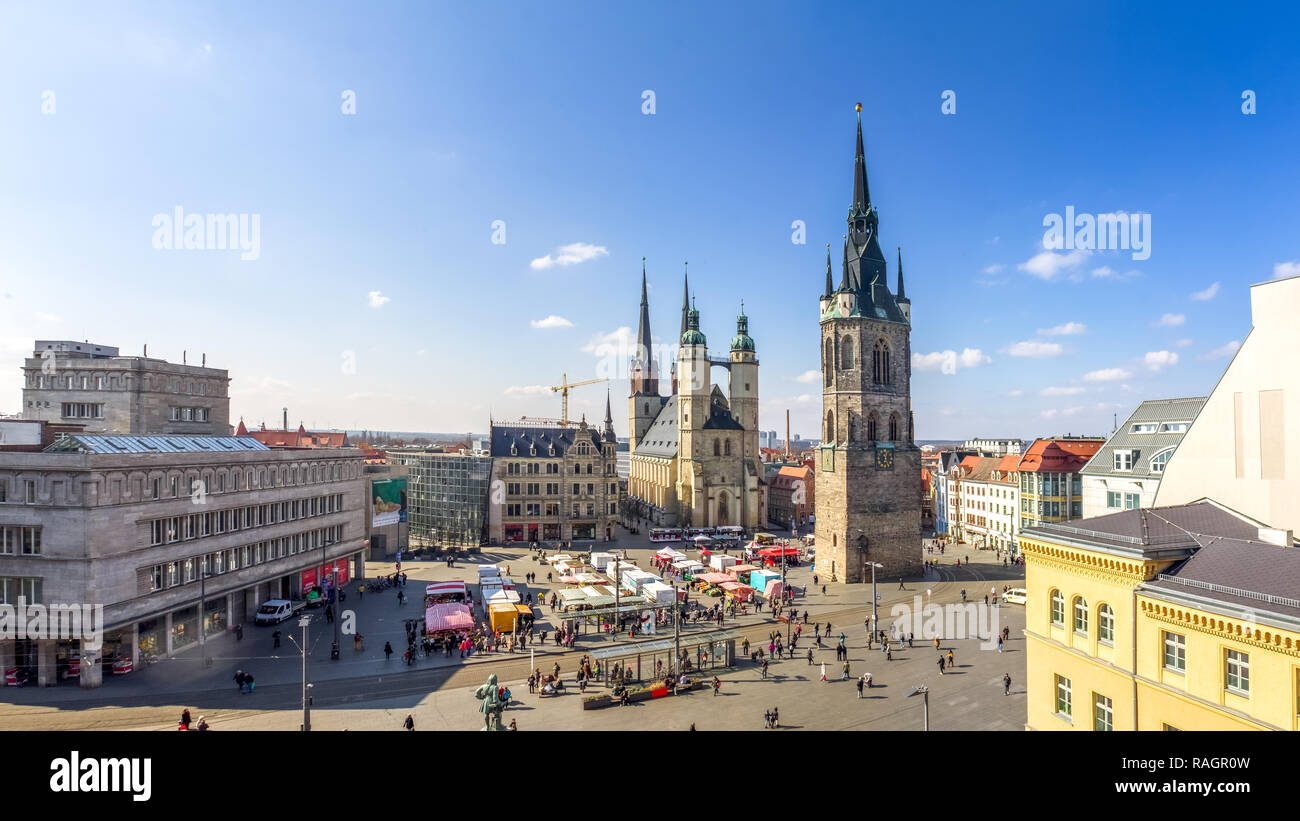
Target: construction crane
{"x": 563, "y": 390}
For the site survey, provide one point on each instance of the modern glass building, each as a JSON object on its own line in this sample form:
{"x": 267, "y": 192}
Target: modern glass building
{"x": 447, "y": 497}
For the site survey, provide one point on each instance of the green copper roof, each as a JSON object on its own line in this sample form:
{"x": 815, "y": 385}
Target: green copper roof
{"x": 742, "y": 341}
{"x": 692, "y": 336}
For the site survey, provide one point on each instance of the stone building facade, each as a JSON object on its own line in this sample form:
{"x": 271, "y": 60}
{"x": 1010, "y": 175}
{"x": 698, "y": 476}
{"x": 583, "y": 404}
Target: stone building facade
{"x": 94, "y": 386}
{"x": 177, "y": 538}
{"x": 552, "y": 483}
{"x": 869, "y": 468}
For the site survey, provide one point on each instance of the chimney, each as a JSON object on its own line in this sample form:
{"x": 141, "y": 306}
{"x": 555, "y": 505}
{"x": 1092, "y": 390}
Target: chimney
{"x": 185, "y": 357}
{"x": 286, "y": 418}
{"x": 787, "y": 434}
{"x": 205, "y": 360}
{"x": 146, "y": 350}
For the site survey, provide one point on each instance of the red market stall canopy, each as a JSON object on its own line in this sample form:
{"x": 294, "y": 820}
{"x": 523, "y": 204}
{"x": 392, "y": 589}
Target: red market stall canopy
{"x": 737, "y": 569}
{"x": 740, "y": 591}
{"x": 445, "y": 588}
{"x": 778, "y": 552}
{"x": 715, "y": 578}
{"x": 441, "y": 617}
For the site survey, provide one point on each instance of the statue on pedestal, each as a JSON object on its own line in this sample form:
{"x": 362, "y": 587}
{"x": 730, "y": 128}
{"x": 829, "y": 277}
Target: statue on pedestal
{"x": 491, "y": 705}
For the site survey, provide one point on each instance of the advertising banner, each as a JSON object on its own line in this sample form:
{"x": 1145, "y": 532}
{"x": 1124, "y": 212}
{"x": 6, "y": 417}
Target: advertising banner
{"x": 389, "y": 501}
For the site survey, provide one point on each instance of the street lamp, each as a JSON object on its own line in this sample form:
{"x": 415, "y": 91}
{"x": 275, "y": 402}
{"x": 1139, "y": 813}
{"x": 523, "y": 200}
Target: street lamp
{"x": 924, "y": 693}
{"x": 302, "y": 648}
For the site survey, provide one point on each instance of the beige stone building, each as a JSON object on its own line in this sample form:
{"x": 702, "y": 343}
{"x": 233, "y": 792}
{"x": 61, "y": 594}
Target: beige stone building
{"x": 695, "y": 460}
{"x": 92, "y": 385}
{"x": 552, "y": 483}
{"x": 179, "y": 538}
{"x": 869, "y": 468}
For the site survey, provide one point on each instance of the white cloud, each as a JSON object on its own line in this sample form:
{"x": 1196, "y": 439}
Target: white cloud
{"x": 551, "y": 321}
{"x": 1047, "y": 264}
{"x": 526, "y": 390}
{"x": 622, "y": 339}
{"x": 570, "y": 254}
{"x": 1048, "y": 414}
{"x": 1170, "y": 321}
{"x": 1016, "y": 392}
{"x": 1068, "y": 329}
{"x": 1207, "y": 294}
{"x": 1183, "y": 343}
{"x": 948, "y": 361}
{"x": 993, "y": 269}
{"x": 1035, "y": 350}
{"x": 1072, "y": 391}
{"x": 1103, "y": 272}
{"x": 377, "y": 299}
{"x": 1158, "y": 359}
{"x": 1107, "y": 375}
{"x": 1223, "y": 351}
{"x": 1286, "y": 269}
{"x": 808, "y": 376}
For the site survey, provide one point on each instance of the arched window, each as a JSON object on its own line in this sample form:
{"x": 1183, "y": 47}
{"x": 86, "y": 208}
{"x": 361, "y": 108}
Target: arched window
{"x": 1081, "y": 615}
{"x": 726, "y": 448}
{"x": 717, "y": 448}
{"x": 873, "y": 425}
{"x": 829, "y": 363}
{"x": 846, "y": 353}
{"x": 880, "y": 363}
{"x": 893, "y": 427}
{"x": 1058, "y": 608}
{"x": 1160, "y": 459}
{"x": 1105, "y": 624}
{"x": 829, "y": 434}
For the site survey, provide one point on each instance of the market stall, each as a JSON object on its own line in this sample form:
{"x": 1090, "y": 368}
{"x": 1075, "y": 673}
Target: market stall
{"x": 448, "y": 618}
{"x": 443, "y": 592}
{"x": 721, "y": 563}
{"x": 602, "y": 560}
{"x": 737, "y": 591}
{"x": 740, "y": 572}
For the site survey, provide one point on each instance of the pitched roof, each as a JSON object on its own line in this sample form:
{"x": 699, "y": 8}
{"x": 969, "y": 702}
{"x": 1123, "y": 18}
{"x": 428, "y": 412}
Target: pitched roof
{"x": 1059, "y": 455}
{"x": 300, "y": 438}
{"x": 525, "y": 437}
{"x": 661, "y": 438}
{"x": 81, "y": 443}
{"x": 1007, "y": 465}
{"x": 1151, "y": 412}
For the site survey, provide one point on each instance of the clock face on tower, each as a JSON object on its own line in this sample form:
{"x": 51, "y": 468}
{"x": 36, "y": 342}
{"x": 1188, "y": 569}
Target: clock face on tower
{"x": 884, "y": 457}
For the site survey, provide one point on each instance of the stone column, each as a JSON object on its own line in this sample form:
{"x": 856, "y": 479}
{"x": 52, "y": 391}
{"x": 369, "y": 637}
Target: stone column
{"x": 167, "y": 631}
{"x": 92, "y": 666}
{"x": 135, "y": 646}
{"x": 46, "y": 668}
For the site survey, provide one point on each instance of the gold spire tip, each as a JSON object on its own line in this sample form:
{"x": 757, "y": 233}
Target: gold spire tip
{"x": 858, "y": 108}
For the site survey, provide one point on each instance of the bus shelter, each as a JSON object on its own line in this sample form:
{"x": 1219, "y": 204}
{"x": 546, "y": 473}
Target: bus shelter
{"x": 702, "y": 653}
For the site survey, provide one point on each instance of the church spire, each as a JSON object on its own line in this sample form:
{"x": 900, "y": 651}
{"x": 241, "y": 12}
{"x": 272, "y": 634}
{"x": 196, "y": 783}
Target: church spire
{"x": 861, "y": 194}
{"x": 686, "y": 293}
{"x": 902, "y": 295}
{"x": 830, "y": 288}
{"x": 643, "y": 331}
{"x": 608, "y": 433}
{"x": 845, "y": 283}
{"x": 644, "y": 377}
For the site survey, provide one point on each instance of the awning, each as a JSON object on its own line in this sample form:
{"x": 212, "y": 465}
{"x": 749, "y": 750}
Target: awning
{"x": 715, "y": 578}
{"x": 504, "y": 596}
{"x": 741, "y": 568}
{"x": 439, "y": 588}
{"x": 450, "y": 616}
{"x": 570, "y": 597}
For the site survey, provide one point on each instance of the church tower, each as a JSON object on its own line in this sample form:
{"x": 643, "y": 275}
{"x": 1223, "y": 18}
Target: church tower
{"x": 693, "y": 410}
{"x": 869, "y": 468}
{"x": 644, "y": 403}
{"x": 742, "y": 387}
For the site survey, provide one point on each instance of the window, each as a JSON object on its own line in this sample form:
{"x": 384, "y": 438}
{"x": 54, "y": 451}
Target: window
{"x": 1132, "y": 501}
{"x": 1159, "y": 461}
{"x": 1081, "y": 615}
{"x": 1144, "y": 427}
{"x": 156, "y": 578}
{"x": 1058, "y": 608}
{"x": 29, "y": 491}
{"x": 880, "y": 363}
{"x": 1114, "y": 499}
{"x": 1103, "y": 714}
{"x": 1238, "y": 672}
{"x": 893, "y": 427}
{"x": 1064, "y": 707}
{"x": 82, "y": 410}
{"x": 1105, "y": 625}
{"x": 20, "y": 540}
{"x": 1175, "y": 652}
{"x": 1174, "y": 427}
{"x": 13, "y": 588}
{"x": 1123, "y": 460}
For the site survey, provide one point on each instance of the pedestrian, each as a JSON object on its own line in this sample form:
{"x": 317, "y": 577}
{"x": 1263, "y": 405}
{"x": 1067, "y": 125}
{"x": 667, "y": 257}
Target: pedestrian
{"x": 764, "y": 668}
{"x": 767, "y": 719}
{"x": 776, "y": 717}
{"x": 248, "y": 679}
{"x": 409, "y": 724}
{"x": 810, "y": 657}
{"x": 936, "y": 642}
{"x": 999, "y": 644}
{"x": 940, "y": 665}
{"x": 900, "y": 585}
{"x": 185, "y": 718}
{"x": 845, "y": 675}
{"x": 275, "y": 637}
{"x": 1006, "y": 684}
{"x": 239, "y": 680}
{"x": 717, "y": 685}
{"x": 203, "y": 724}
{"x": 361, "y": 591}
{"x": 388, "y": 651}
{"x": 909, "y": 640}
{"x": 859, "y": 688}
{"x": 823, "y": 590}
{"x": 951, "y": 662}
{"x": 239, "y": 632}
{"x": 823, "y": 671}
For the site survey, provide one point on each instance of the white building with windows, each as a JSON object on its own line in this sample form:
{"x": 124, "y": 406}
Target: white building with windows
{"x": 1126, "y": 472}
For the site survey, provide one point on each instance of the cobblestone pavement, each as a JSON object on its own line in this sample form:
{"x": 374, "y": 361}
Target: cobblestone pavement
{"x": 365, "y": 691}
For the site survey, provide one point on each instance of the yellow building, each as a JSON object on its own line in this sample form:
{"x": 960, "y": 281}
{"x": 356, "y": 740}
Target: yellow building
{"x": 1173, "y": 618}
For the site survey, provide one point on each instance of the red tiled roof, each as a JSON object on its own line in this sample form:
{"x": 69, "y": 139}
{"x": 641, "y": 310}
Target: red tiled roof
{"x": 296, "y": 439}
{"x": 1059, "y": 455}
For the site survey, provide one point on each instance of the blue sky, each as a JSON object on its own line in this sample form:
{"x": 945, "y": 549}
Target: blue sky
{"x": 531, "y": 115}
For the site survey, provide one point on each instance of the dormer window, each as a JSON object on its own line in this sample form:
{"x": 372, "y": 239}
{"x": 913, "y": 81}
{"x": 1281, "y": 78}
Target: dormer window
{"x": 1124, "y": 459}
{"x": 1145, "y": 427}
{"x": 1174, "y": 427}
{"x": 514, "y": 449}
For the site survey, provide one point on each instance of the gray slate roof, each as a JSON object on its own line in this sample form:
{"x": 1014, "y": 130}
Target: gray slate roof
{"x": 1229, "y": 571}
{"x": 661, "y": 438}
{"x": 523, "y": 437}
{"x": 1147, "y": 445}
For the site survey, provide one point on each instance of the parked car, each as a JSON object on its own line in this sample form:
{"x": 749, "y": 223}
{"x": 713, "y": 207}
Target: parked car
{"x": 275, "y": 611}
{"x": 1015, "y": 595}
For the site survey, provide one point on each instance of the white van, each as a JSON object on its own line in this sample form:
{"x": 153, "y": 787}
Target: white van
{"x": 1015, "y": 595}
{"x": 275, "y": 611}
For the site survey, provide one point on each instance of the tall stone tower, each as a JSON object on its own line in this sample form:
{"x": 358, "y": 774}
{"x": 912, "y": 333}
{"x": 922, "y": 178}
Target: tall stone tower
{"x": 869, "y": 468}
{"x": 742, "y": 387}
{"x": 693, "y": 401}
{"x": 645, "y": 402}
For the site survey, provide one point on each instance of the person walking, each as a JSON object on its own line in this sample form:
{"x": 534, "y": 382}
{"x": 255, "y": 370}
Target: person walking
{"x": 823, "y": 671}
{"x": 203, "y": 724}
{"x": 361, "y": 591}
{"x": 1006, "y": 684}
{"x": 999, "y": 644}
{"x": 845, "y": 675}
{"x": 717, "y": 685}
{"x": 275, "y": 637}
{"x": 859, "y": 687}
{"x": 239, "y": 632}
{"x": 941, "y": 660}
{"x": 936, "y": 642}
{"x": 409, "y": 724}
{"x": 239, "y": 680}
{"x": 900, "y": 585}
{"x": 388, "y": 650}
{"x": 810, "y": 657}
{"x": 764, "y": 668}
{"x": 951, "y": 661}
